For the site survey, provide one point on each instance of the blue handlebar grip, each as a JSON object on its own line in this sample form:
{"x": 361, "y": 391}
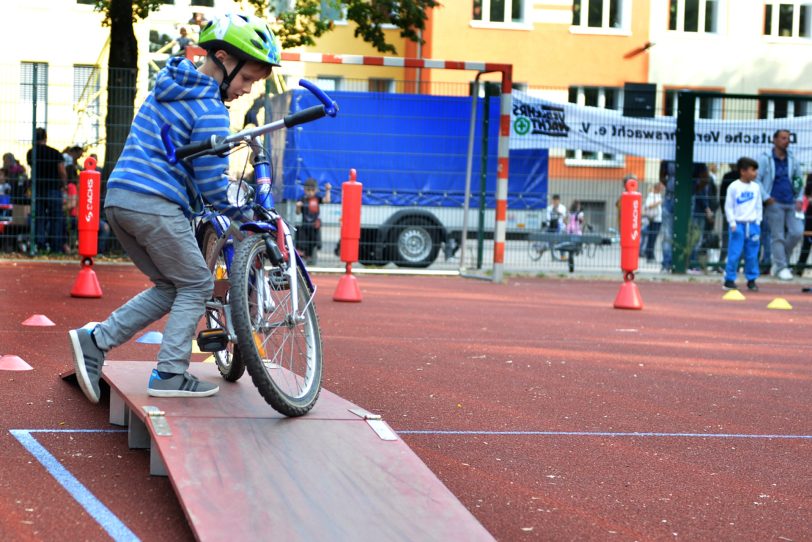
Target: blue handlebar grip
{"x": 168, "y": 145}
{"x": 330, "y": 107}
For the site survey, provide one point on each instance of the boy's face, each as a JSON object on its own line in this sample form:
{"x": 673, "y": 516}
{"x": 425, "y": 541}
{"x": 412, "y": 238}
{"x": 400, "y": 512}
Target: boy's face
{"x": 310, "y": 191}
{"x": 748, "y": 174}
{"x": 250, "y": 73}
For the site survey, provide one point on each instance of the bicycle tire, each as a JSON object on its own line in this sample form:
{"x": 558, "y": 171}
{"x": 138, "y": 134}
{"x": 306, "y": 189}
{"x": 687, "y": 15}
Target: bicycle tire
{"x": 534, "y": 250}
{"x": 282, "y": 355}
{"x": 229, "y": 360}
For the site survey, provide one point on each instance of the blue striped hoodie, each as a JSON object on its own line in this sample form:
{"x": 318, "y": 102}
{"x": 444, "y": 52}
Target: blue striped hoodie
{"x": 190, "y": 103}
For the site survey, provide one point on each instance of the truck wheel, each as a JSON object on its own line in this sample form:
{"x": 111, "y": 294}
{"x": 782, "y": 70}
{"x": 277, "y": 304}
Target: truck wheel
{"x": 414, "y": 244}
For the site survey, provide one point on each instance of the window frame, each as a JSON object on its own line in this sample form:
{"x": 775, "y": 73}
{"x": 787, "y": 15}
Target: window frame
{"x": 27, "y": 98}
{"x": 791, "y": 99}
{"x": 508, "y": 24}
{"x": 773, "y": 8}
{"x": 91, "y": 74}
{"x": 670, "y": 95}
{"x": 601, "y": 159}
{"x": 702, "y": 11}
{"x": 624, "y": 14}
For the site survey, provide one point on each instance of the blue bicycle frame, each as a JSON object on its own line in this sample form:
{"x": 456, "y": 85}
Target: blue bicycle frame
{"x": 271, "y": 222}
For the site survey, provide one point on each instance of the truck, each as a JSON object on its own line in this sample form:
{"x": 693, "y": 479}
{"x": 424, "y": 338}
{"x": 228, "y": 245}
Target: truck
{"x": 411, "y": 155}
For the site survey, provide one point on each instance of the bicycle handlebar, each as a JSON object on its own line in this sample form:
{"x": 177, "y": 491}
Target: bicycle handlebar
{"x": 328, "y": 107}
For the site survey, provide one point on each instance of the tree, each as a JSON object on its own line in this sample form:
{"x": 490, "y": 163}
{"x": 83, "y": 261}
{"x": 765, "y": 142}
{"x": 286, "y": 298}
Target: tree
{"x": 297, "y": 26}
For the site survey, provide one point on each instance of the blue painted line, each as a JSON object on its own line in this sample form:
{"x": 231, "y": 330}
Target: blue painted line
{"x": 607, "y": 434}
{"x": 93, "y": 506}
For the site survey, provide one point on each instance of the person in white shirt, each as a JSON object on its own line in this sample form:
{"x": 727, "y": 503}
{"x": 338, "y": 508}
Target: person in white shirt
{"x": 743, "y": 209}
{"x": 653, "y": 210}
{"x": 556, "y": 215}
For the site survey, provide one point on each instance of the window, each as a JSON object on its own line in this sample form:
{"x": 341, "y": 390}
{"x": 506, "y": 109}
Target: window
{"x": 33, "y": 74}
{"x": 781, "y": 108}
{"x": 706, "y": 107}
{"x": 331, "y": 10}
{"x": 787, "y": 19}
{"x": 86, "y": 87}
{"x": 499, "y": 11}
{"x": 381, "y": 85}
{"x": 605, "y": 98}
{"x": 597, "y": 13}
{"x": 693, "y": 15}
{"x": 328, "y": 83}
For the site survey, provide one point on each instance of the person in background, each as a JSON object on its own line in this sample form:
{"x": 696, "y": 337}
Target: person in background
{"x": 703, "y": 216}
{"x": 653, "y": 210}
{"x": 556, "y": 215}
{"x": 668, "y": 178}
{"x": 183, "y": 41}
{"x": 800, "y": 266}
{"x": 743, "y": 209}
{"x": 308, "y": 235}
{"x": 17, "y": 178}
{"x": 575, "y": 218}
{"x": 50, "y": 179}
{"x": 727, "y": 179}
{"x": 779, "y": 175}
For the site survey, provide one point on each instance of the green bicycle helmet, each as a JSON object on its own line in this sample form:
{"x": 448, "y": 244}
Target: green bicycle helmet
{"x": 242, "y": 36}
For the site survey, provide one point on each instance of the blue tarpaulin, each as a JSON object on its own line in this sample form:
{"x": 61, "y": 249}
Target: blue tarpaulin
{"x": 408, "y": 149}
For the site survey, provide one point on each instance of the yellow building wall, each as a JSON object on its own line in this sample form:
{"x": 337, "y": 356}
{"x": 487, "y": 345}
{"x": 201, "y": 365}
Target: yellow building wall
{"x": 547, "y": 54}
{"x": 341, "y": 41}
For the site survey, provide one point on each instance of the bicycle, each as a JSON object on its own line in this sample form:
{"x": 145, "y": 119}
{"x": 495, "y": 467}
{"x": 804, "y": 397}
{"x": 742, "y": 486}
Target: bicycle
{"x": 564, "y": 247}
{"x": 261, "y": 316}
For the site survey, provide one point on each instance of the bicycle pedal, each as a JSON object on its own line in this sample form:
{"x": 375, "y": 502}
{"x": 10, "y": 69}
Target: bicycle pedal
{"x": 212, "y": 340}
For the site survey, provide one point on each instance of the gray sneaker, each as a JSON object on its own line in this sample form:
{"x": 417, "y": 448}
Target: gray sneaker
{"x": 88, "y": 360}
{"x": 184, "y": 385}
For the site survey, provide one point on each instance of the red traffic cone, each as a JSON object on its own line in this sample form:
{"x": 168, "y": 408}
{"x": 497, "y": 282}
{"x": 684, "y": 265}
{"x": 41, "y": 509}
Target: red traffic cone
{"x": 629, "y": 296}
{"x": 347, "y": 288}
{"x": 86, "y": 285}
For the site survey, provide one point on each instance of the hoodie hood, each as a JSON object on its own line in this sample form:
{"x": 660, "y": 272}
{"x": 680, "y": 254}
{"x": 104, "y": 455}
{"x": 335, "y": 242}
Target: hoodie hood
{"x": 180, "y": 80}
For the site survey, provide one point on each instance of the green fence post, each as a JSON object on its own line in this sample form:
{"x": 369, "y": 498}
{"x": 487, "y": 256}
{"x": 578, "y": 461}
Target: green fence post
{"x": 683, "y": 192}
{"x": 32, "y": 237}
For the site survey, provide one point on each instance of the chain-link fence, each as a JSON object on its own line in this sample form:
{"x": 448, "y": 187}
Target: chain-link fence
{"x": 421, "y": 156}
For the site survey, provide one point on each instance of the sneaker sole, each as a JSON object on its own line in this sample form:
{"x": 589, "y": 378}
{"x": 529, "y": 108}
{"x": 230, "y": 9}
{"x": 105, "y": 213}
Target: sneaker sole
{"x": 81, "y": 370}
{"x": 180, "y": 393}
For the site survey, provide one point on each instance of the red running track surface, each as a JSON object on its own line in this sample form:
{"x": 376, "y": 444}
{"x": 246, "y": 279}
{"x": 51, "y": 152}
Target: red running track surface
{"x": 548, "y": 413}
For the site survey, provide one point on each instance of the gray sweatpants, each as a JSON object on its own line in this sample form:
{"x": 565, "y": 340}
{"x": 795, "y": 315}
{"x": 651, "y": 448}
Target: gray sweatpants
{"x": 786, "y": 232}
{"x": 165, "y": 250}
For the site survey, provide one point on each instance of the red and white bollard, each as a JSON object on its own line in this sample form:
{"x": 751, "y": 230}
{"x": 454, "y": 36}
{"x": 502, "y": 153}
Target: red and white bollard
{"x": 351, "y": 191}
{"x": 87, "y": 285}
{"x": 631, "y": 212}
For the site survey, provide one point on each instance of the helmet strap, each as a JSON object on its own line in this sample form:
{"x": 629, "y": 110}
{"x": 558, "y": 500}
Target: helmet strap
{"x": 227, "y": 77}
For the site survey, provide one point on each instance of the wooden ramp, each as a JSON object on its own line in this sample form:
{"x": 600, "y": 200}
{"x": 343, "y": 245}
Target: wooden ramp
{"x": 241, "y": 471}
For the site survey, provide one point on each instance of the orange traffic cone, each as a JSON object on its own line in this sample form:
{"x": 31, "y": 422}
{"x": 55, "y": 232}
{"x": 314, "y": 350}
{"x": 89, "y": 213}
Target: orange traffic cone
{"x": 347, "y": 288}
{"x": 86, "y": 285}
{"x": 629, "y": 296}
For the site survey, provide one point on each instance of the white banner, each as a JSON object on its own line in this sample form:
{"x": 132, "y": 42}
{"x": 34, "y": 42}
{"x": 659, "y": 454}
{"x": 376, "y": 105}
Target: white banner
{"x": 537, "y": 123}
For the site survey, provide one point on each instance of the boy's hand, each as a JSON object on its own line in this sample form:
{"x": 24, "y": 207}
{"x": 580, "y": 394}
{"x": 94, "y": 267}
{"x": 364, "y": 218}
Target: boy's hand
{"x": 299, "y": 204}
{"x": 732, "y": 226}
{"x": 328, "y": 187}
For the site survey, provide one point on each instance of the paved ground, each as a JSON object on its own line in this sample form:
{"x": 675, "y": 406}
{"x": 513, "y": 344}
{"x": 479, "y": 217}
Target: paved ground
{"x": 548, "y": 413}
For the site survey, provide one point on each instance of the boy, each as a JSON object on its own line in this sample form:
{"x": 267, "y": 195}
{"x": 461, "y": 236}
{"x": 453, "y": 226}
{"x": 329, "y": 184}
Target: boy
{"x": 743, "y": 212}
{"x": 308, "y": 236}
{"x": 149, "y": 202}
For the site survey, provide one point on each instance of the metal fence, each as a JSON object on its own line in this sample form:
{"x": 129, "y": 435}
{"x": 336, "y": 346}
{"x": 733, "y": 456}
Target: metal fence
{"x": 420, "y": 162}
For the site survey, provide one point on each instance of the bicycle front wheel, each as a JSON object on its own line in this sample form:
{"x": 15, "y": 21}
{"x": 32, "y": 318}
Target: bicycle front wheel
{"x": 280, "y": 346}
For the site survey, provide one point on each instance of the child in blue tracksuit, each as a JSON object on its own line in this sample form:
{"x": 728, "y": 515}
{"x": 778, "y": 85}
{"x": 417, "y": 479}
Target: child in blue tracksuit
{"x": 743, "y": 208}
{"x": 150, "y": 202}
